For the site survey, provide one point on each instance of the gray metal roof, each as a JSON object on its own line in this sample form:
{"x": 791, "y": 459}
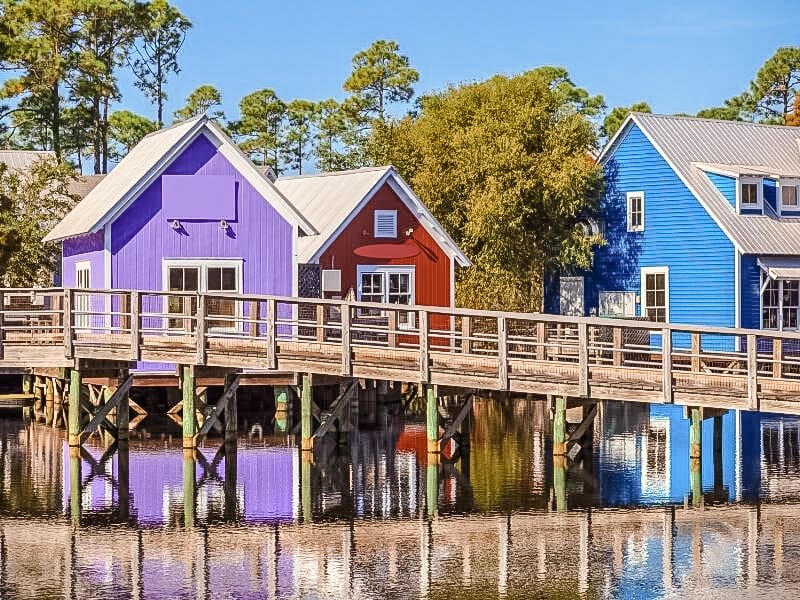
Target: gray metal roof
{"x": 331, "y": 200}
{"x": 23, "y": 159}
{"x": 685, "y": 142}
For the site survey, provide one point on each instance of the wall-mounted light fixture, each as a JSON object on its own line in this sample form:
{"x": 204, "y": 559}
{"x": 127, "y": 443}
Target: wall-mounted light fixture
{"x": 176, "y": 224}
{"x": 223, "y": 225}
{"x": 409, "y": 231}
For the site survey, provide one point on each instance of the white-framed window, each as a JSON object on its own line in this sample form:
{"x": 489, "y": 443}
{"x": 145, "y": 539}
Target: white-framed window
{"x": 655, "y": 293}
{"x": 780, "y": 303}
{"x": 83, "y": 280}
{"x": 203, "y": 275}
{"x": 635, "y": 211}
{"x": 385, "y": 224}
{"x": 790, "y": 199}
{"x": 750, "y": 192}
{"x": 387, "y": 284}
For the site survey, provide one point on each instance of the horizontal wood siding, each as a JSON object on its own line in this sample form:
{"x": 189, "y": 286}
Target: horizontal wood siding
{"x": 725, "y": 185}
{"x": 749, "y": 283}
{"x": 771, "y": 193}
{"x": 432, "y": 265}
{"x": 678, "y": 234}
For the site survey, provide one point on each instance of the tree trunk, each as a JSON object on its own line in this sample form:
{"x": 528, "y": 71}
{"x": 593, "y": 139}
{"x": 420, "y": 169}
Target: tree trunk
{"x": 105, "y": 134}
{"x": 56, "y": 105}
{"x": 96, "y": 137}
{"x": 159, "y": 96}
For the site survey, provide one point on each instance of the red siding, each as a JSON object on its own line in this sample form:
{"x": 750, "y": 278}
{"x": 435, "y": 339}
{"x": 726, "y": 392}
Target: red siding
{"x": 432, "y": 265}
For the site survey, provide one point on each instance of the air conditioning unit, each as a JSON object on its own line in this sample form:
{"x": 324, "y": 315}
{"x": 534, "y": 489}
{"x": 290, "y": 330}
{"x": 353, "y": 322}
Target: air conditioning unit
{"x": 331, "y": 280}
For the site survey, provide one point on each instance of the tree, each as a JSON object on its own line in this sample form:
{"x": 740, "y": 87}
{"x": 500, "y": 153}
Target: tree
{"x": 31, "y": 203}
{"x": 615, "y": 118}
{"x": 381, "y": 75}
{"x": 162, "y": 31}
{"x": 330, "y": 124}
{"x": 503, "y": 165}
{"x": 261, "y": 127}
{"x": 200, "y": 102}
{"x": 76, "y": 123}
{"x": 300, "y": 120}
{"x": 127, "y": 129}
{"x": 773, "y": 91}
{"x": 37, "y": 41}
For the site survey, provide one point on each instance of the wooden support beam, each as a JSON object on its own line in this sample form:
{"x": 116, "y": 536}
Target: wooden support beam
{"x": 136, "y": 323}
{"x": 575, "y": 437}
{"x": 752, "y": 372}
{"x": 253, "y": 317}
{"x": 777, "y": 358}
{"x": 695, "y": 432}
{"x": 49, "y": 401}
{"x": 200, "y": 330}
{"x": 666, "y": 366}
{"x": 560, "y": 426}
{"x": 618, "y": 354}
{"x": 2, "y": 323}
{"x": 216, "y": 411}
{"x": 391, "y": 336}
{"x": 696, "y": 349}
{"x": 100, "y": 415}
{"x": 347, "y": 353}
{"x": 68, "y": 350}
{"x": 583, "y": 360}
{"x": 431, "y": 419}
{"x": 338, "y": 410}
{"x": 502, "y": 353}
{"x": 231, "y": 411}
{"x": 188, "y": 388}
{"x": 320, "y": 323}
{"x": 271, "y": 317}
{"x": 466, "y": 335}
{"x": 74, "y": 429}
{"x": 424, "y": 357}
{"x": 306, "y": 442}
{"x": 453, "y": 428}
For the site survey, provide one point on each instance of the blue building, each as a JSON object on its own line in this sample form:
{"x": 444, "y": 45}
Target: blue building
{"x": 702, "y": 225}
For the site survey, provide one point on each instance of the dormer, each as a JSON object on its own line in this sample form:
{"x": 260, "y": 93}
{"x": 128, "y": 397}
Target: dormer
{"x": 748, "y": 189}
{"x": 750, "y": 195}
{"x": 788, "y": 193}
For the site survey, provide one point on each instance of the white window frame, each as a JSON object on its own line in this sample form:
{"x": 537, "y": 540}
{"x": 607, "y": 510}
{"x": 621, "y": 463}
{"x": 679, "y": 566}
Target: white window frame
{"x": 203, "y": 264}
{"x": 759, "y": 182}
{"x": 628, "y": 213}
{"x": 83, "y": 301}
{"x": 790, "y": 183}
{"x": 386, "y": 270}
{"x": 384, "y": 213}
{"x": 654, "y": 271}
{"x": 780, "y": 307}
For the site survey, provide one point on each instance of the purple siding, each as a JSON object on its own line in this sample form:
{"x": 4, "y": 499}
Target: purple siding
{"x": 213, "y": 197}
{"x": 86, "y": 247}
{"x": 142, "y": 236}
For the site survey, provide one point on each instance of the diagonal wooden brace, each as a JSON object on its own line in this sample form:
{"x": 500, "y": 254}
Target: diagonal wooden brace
{"x": 337, "y": 411}
{"x": 216, "y": 411}
{"x": 99, "y": 417}
{"x": 453, "y": 427}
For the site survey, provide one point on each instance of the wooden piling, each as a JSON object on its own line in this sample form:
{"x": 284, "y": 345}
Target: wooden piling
{"x": 432, "y": 486}
{"x": 74, "y": 426}
{"x": 432, "y": 419}
{"x": 189, "y": 421}
{"x": 282, "y": 395}
{"x": 49, "y": 401}
{"x": 560, "y": 482}
{"x": 306, "y": 443}
{"x": 231, "y": 477}
{"x": 305, "y": 487}
{"x": 123, "y": 419}
{"x": 189, "y": 484}
{"x": 560, "y": 426}
{"x": 75, "y": 482}
{"x": 695, "y": 432}
{"x": 231, "y": 414}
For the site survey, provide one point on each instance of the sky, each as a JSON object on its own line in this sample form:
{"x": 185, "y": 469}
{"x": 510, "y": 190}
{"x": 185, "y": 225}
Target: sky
{"x": 678, "y": 55}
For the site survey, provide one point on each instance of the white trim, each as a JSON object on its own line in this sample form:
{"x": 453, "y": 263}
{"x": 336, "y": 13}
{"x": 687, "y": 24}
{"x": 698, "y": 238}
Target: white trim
{"x": 631, "y": 118}
{"x": 737, "y": 292}
{"x": 83, "y": 302}
{"x": 750, "y": 180}
{"x": 376, "y": 217}
{"x": 654, "y": 271}
{"x": 791, "y": 182}
{"x": 629, "y": 196}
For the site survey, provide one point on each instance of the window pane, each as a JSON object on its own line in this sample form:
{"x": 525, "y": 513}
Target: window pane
{"x": 176, "y": 279}
{"x": 214, "y": 279}
{"x": 749, "y": 193}
{"x": 191, "y": 278}
{"x": 789, "y": 195}
{"x": 229, "y": 279}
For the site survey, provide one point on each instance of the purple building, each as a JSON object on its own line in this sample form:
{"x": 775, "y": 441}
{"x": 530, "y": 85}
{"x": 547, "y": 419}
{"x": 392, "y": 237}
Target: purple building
{"x": 185, "y": 210}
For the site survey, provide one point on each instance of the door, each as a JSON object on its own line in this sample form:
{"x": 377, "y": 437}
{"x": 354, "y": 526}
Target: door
{"x": 83, "y": 277}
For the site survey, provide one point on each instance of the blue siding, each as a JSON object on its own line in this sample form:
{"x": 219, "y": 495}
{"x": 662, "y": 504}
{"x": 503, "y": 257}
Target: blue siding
{"x": 749, "y": 285}
{"x": 679, "y": 234}
{"x": 726, "y": 186}
{"x": 771, "y": 193}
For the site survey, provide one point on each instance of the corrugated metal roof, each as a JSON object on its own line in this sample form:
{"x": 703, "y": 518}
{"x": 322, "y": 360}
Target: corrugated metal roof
{"x": 153, "y": 153}
{"x": 23, "y": 159}
{"x": 327, "y": 200}
{"x": 781, "y": 267}
{"x": 686, "y": 141}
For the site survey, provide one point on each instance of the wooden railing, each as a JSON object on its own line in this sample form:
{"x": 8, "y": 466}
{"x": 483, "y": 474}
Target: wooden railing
{"x": 579, "y": 356}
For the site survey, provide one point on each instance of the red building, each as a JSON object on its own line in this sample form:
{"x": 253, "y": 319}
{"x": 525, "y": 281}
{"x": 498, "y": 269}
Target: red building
{"x": 377, "y": 241}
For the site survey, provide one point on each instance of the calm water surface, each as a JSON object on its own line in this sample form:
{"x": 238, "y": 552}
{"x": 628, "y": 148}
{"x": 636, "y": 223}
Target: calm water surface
{"x": 375, "y": 519}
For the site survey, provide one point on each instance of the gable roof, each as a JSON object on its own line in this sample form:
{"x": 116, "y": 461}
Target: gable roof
{"x": 332, "y": 200}
{"x": 692, "y": 145}
{"x": 146, "y": 161}
{"x": 23, "y": 160}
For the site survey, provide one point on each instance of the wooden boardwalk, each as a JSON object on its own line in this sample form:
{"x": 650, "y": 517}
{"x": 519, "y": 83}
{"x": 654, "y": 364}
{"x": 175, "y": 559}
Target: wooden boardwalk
{"x": 597, "y": 359}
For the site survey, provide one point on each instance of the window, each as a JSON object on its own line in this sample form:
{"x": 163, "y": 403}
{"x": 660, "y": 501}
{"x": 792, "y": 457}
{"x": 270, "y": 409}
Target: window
{"x": 635, "y": 201}
{"x": 770, "y": 305}
{"x": 789, "y": 195}
{"x": 791, "y": 303}
{"x": 213, "y": 276}
{"x": 388, "y": 285}
{"x": 655, "y": 294}
{"x": 385, "y": 223}
{"x": 83, "y": 277}
{"x": 750, "y": 194}
{"x": 780, "y": 304}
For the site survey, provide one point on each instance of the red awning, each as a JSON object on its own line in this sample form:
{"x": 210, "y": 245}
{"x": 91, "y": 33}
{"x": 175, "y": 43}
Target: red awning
{"x": 405, "y": 249}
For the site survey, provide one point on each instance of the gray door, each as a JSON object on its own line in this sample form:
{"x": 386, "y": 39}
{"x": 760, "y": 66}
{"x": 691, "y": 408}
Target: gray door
{"x": 572, "y": 296}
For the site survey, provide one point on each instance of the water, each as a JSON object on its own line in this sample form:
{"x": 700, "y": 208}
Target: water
{"x": 377, "y": 520}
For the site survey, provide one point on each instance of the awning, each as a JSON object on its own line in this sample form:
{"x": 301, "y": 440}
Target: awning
{"x": 781, "y": 267}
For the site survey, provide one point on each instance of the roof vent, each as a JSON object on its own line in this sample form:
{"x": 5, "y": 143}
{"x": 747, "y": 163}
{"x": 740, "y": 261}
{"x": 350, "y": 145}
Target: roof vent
{"x": 386, "y": 223}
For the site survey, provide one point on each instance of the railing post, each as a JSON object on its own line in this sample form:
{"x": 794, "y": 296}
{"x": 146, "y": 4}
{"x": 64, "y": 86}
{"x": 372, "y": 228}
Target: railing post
{"x": 253, "y": 306}
{"x": 502, "y": 353}
{"x": 752, "y": 372}
{"x": 666, "y": 365}
{"x": 272, "y": 362}
{"x": 541, "y": 338}
{"x": 696, "y": 349}
{"x": 424, "y": 357}
{"x": 391, "y": 336}
{"x": 200, "y": 330}
{"x": 68, "y": 323}
{"x": 136, "y": 311}
{"x": 2, "y": 322}
{"x": 777, "y": 358}
{"x": 347, "y": 356}
{"x": 466, "y": 335}
{"x": 583, "y": 359}
{"x": 320, "y": 329}
{"x": 618, "y": 359}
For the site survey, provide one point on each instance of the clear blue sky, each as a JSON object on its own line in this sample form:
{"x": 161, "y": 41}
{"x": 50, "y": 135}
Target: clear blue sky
{"x": 679, "y": 55}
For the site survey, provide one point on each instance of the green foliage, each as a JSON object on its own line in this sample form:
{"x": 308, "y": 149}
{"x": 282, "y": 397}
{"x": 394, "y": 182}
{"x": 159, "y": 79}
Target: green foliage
{"x": 199, "y": 102}
{"x": 330, "y": 124}
{"x": 615, "y": 118}
{"x": 127, "y": 129}
{"x": 504, "y": 164}
{"x": 297, "y": 142}
{"x": 381, "y": 75}
{"x": 162, "y": 31}
{"x": 261, "y": 127}
{"x": 724, "y": 113}
{"x": 773, "y": 91}
{"x": 31, "y": 203}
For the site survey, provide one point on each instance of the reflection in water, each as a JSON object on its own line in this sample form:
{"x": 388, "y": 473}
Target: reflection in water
{"x": 379, "y": 518}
